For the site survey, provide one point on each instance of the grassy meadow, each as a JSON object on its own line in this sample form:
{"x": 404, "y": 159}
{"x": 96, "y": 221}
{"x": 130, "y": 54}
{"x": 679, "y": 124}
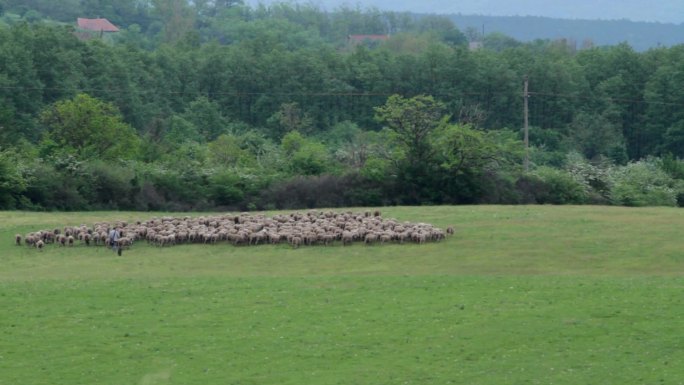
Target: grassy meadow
{"x": 520, "y": 295}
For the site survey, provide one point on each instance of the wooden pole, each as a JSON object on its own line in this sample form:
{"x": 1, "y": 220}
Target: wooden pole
{"x": 526, "y": 96}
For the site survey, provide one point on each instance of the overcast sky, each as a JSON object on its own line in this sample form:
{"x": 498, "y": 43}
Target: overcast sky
{"x": 664, "y": 11}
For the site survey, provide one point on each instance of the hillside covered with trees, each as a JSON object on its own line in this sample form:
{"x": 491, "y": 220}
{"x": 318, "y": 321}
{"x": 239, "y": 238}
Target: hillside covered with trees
{"x": 582, "y": 33}
{"x": 213, "y": 104}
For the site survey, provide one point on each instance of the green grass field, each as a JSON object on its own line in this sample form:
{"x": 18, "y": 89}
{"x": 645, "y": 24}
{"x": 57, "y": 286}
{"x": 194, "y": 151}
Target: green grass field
{"x": 521, "y": 295}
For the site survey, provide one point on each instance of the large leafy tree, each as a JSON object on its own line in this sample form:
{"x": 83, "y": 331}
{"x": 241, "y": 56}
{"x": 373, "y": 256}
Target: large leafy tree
{"x": 89, "y": 129}
{"x": 460, "y": 148}
{"x": 411, "y": 122}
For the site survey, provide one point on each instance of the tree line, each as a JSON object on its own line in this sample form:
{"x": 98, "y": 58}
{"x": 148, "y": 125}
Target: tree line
{"x": 272, "y": 107}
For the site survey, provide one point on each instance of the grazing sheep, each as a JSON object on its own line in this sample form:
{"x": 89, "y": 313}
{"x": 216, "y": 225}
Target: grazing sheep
{"x": 370, "y": 238}
{"x": 297, "y": 228}
{"x": 39, "y": 244}
{"x": 255, "y": 238}
{"x": 17, "y": 239}
{"x": 327, "y": 239}
{"x": 30, "y": 240}
{"x": 296, "y": 242}
{"x": 124, "y": 242}
{"x": 347, "y": 238}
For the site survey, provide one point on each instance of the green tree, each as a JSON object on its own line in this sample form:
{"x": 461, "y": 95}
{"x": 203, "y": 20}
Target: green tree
{"x": 89, "y": 128}
{"x": 674, "y": 139}
{"x": 412, "y": 120}
{"x": 664, "y": 97}
{"x": 305, "y": 156}
{"x": 177, "y": 16}
{"x": 180, "y": 131}
{"x": 497, "y": 41}
{"x": 443, "y": 27}
{"x": 206, "y": 116}
{"x": 461, "y": 148}
{"x": 225, "y": 151}
{"x": 596, "y": 136}
{"x": 290, "y": 117}
{"x": 12, "y": 183}
{"x": 617, "y": 77}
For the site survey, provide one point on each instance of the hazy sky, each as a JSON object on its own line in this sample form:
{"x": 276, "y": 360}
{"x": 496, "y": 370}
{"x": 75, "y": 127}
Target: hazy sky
{"x": 664, "y": 11}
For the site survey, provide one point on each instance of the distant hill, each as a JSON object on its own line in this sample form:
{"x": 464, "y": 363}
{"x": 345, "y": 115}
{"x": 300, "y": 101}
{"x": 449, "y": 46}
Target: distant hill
{"x": 604, "y": 22}
{"x": 640, "y": 35}
{"x": 664, "y": 11}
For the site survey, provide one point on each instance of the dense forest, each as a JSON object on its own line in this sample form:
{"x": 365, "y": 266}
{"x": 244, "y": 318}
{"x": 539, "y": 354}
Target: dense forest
{"x": 216, "y": 105}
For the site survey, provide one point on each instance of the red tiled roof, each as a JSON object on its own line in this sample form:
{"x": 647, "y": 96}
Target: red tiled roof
{"x": 368, "y": 37}
{"x": 97, "y": 25}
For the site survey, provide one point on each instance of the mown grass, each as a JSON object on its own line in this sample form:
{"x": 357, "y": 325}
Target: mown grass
{"x": 521, "y": 295}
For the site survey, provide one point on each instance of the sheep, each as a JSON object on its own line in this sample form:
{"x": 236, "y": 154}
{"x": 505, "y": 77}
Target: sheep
{"x": 347, "y": 238}
{"x": 30, "y": 240}
{"x": 48, "y": 237}
{"x": 327, "y": 239}
{"x": 254, "y": 238}
{"x": 370, "y": 238}
{"x": 17, "y": 239}
{"x": 296, "y": 242}
{"x": 307, "y": 228}
{"x": 39, "y": 245}
{"x": 124, "y": 242}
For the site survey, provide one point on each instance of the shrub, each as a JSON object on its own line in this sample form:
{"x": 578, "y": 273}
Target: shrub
{"x": 109, "y": 185}
{"x": 642, "y": 183}
{"x": 594, "y": 176}
{"x": 226, "y": 188}
{"x": 323, "y": 191}
{"x": 550, "y": 185}
{"x": 498, "y": 188}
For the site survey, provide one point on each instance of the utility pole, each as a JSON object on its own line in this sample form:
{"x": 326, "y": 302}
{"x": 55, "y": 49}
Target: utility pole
{"x": 526, "y": 96}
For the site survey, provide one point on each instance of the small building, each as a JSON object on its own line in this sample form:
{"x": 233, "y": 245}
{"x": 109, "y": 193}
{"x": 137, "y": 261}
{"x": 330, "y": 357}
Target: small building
{"x": 92, "y": 28}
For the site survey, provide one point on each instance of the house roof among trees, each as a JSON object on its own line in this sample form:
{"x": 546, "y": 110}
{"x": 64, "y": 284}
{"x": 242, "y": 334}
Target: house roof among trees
{"x": 97, "y": 25}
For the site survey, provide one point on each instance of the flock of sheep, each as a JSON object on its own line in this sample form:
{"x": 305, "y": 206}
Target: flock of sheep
{"x": 297, "y": 229}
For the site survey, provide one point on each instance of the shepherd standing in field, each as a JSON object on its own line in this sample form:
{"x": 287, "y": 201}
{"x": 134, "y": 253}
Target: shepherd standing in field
{"x": 114, "y": 235}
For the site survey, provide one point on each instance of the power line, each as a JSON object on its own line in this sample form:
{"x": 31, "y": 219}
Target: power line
{"x": 595, "y": 98}
{"x": 334, "y": 94}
